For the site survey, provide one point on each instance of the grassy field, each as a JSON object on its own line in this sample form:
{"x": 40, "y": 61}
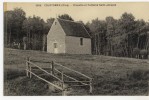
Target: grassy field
{"x": 111, "y": 75}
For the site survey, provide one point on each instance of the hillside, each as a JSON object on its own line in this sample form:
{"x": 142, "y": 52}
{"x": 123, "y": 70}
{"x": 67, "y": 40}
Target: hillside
{"x": 111, "y": 75}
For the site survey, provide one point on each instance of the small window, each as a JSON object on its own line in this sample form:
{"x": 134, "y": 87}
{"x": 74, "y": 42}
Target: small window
{"x": 81, "y": 41}
{"x": 55, "y": 45}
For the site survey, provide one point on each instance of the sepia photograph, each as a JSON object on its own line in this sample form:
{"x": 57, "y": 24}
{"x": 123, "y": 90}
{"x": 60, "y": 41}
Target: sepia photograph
{"x": 76, "y": 48}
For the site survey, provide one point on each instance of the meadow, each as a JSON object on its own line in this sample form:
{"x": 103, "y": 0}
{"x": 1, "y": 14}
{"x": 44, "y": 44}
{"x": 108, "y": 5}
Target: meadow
{"x": 111, "y": 75}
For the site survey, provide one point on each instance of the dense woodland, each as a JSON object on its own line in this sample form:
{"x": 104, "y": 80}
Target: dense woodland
{"x": 124, "y": 37}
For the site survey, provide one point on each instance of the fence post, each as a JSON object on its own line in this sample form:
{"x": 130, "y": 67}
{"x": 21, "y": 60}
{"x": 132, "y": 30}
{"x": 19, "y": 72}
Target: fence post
{"x": 63, "y": 88}
{"x": 27, "y": 66}
{"x": 30, "y": 69}
{"x": 91, "y": 88}
{"x": 52, "y": 67}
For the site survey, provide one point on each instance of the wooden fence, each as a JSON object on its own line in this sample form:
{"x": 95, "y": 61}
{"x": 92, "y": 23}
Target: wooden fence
{"x": 53, "y": 70}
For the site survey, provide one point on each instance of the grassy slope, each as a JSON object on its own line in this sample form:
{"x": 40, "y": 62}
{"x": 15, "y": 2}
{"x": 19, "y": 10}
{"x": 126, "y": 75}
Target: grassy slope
{"x": 112, "y": 75}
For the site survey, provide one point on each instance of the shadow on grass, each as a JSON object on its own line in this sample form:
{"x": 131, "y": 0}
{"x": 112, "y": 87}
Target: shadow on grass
{"x": 135, "y": 83}
{"x": 17, "y": 84}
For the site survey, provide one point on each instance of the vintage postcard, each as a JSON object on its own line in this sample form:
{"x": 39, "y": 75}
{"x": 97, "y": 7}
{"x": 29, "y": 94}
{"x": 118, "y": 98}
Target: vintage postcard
{"x": 76, "y": 48}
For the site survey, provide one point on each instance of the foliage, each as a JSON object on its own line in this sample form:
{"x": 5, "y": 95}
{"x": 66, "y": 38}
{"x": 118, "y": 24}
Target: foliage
{"x": 10, "y": 74}
{"x": 65, "y": 16}
{"x": 136, "y": 52}
{"x": 34, "y": 28}
{"x": 120, "y": 37}
{"x": 139, "y": 75}
{"x": 98, "y": 33}
{"x": 144, "y": 54}
{"x": 13, "y": 25}
{"x": 112, "y": 37}
{"x": 17, "y": 27}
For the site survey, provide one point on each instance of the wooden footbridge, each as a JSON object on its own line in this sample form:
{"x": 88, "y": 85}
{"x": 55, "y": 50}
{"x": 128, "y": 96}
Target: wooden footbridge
{"x": 58, "y": 74}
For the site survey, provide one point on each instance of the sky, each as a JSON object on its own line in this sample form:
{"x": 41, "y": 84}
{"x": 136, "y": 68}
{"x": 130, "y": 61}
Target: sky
{"x": 82, "y": 11}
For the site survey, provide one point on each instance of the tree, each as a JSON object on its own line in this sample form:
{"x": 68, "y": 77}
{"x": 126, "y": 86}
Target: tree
{"x": 139, "y": 25}
{"x": 127, "y": 26}
{"x": 19, "y": 17}
{"x": 25, "y": 42}
{"x": 98, "y": 30}
{"x": 13, "y": 25}
{"x": 46, "y": 29}
{"x": 65, "y": 16}
{"x": 34, "y": 29}
{"x": 110, "y": 33}
{"x": 140, "y": 36}
{"x": 8, "y": 24}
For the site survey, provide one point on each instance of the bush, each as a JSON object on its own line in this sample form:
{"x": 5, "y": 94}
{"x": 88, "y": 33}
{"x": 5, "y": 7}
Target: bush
{"x": 136, "y": 52}
{"x": 16, "y": 83}
{"x": 25, "y": 86}
{"x": 139, "y": 75}
{"x": 144, "y": 54}
{"x": 13, "y": 73}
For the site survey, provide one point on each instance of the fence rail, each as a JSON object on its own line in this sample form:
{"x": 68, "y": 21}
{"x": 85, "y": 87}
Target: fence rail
{"x": 45, "y": 80}
{"x": 44, "y": 71}
{"x": 70, "y": 77}
{"x": 73, "y": 70}
{"x": 40, "y": 61}
{"x": 29, "y": 73}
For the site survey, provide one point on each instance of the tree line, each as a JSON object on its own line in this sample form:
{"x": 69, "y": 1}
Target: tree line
{"x": 124, "y": 37}
{"x": 29, "y": 33}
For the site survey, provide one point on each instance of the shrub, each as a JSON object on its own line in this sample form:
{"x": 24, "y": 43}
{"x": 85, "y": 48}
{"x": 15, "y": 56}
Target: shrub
{"x": 13, "y": 73}
{"x": 136, "y": 52}
{"x": 25, "y": 86}
{"x": 144, "y": 53}
{"x": 139, "y": 75}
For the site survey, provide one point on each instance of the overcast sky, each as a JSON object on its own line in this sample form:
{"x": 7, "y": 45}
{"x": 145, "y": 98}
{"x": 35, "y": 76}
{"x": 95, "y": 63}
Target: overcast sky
{"x": 85, "y": 12}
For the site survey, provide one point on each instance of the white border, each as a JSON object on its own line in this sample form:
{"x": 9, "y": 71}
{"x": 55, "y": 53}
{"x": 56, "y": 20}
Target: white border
{"x": 75, "y": 0}
{"x": 58, "y": 97}
{"x": 1, "y": 50}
